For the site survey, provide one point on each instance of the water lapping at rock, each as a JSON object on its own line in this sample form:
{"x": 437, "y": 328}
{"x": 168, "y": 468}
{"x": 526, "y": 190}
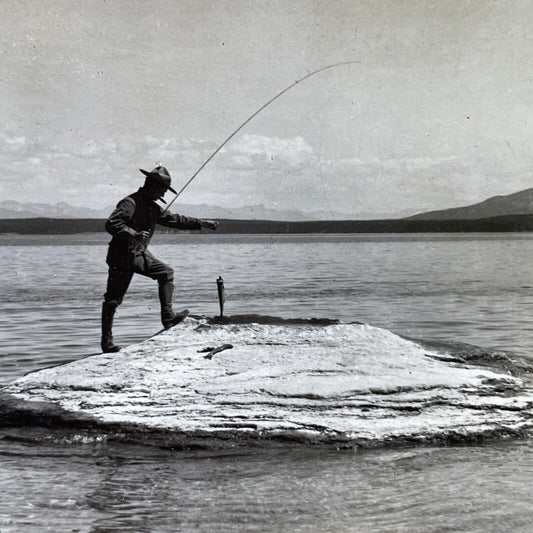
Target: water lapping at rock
{"x": 303, "y": 381}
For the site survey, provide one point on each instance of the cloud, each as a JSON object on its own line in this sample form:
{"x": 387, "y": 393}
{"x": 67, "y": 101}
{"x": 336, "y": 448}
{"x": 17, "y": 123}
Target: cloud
{"x": 251, "y": 169}
{"x": 293, "y": 152}
{"x": 247, "y": 153}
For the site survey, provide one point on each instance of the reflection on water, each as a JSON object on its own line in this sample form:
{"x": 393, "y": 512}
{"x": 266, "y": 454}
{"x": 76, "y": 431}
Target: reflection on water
{"x": 125, "y": 488}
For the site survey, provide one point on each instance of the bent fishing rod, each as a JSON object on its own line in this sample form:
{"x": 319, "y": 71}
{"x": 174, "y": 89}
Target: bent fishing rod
{"x": 249, "y": 119}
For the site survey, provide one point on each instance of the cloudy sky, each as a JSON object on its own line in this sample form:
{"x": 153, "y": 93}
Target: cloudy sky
{"x": 435, "y": 113}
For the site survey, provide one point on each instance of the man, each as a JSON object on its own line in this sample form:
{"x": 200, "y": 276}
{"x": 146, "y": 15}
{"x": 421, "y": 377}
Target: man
{"x": 132, "y": 225}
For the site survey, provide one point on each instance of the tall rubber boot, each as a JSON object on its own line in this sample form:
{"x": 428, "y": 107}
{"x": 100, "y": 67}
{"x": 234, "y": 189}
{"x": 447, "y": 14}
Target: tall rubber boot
{"x": 168, "y": 317}
{"x": 108, "y": 312}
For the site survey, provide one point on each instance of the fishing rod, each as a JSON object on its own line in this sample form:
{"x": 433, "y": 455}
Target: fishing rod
{"x": 249, "y": 119}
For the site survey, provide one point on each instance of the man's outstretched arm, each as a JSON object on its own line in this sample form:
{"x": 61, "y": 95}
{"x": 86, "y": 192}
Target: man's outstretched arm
{"x": 182, "y": 222}
{"x": 209, "y": 224}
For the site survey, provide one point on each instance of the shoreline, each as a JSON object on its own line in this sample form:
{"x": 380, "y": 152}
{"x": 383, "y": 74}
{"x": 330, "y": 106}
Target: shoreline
{"x": 500, "y": 224}
{"x": 162, "y": 238}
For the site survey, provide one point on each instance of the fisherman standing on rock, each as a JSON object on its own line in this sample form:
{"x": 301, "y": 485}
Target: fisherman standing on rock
{"x": 132, "y": 225}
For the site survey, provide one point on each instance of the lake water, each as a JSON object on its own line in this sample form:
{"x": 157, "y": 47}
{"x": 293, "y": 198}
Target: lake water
{"x": 470, "y": 288}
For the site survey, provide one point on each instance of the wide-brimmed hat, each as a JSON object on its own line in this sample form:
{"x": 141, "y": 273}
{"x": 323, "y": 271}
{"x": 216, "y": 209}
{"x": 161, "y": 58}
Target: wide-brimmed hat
{"x": 161, "y": 175}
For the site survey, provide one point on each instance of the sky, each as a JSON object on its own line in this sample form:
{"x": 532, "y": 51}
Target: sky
{"x": 435, "y": 111}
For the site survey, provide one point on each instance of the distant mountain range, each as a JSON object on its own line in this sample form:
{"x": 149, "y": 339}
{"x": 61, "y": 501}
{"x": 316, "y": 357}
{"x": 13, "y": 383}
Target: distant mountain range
{"x": 13, "y": 209}
{"x": 518, "y": 203}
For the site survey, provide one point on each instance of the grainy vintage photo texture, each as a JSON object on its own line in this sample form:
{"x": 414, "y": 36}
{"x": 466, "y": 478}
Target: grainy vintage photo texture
{"x": 266, "y": 265}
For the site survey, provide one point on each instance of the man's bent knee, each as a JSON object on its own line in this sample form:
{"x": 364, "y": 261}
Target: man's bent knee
{"x": 166, "y": 276}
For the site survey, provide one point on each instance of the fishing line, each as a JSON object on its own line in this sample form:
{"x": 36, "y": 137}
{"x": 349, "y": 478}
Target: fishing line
{"x": 250, "y": 118}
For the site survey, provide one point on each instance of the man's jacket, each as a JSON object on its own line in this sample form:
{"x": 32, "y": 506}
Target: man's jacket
{"x": 137, "y": 213}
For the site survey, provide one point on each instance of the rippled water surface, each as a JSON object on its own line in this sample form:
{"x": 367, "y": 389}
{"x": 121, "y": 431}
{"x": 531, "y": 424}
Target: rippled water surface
{"x": 102, "y": 488}
{"x": 462, "y": 288}
{"x": 467, "y": 288}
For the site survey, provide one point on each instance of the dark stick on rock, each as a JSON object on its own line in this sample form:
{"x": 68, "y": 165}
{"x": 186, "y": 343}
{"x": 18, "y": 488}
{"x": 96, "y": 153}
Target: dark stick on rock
{"x": 213, "y": 351}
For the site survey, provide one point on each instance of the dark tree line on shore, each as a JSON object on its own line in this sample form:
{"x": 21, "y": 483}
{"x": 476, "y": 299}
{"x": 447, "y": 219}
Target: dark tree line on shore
{"x": 506, "y": 223}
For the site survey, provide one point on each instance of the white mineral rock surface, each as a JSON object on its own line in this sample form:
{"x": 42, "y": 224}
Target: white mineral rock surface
{"x": 349, "y": 382}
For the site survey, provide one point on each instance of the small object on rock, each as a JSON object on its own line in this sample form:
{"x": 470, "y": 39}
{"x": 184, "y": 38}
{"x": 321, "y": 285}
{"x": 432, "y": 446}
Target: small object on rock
{"x": 221, "y": 296}
{"x": 213, "y": 351}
